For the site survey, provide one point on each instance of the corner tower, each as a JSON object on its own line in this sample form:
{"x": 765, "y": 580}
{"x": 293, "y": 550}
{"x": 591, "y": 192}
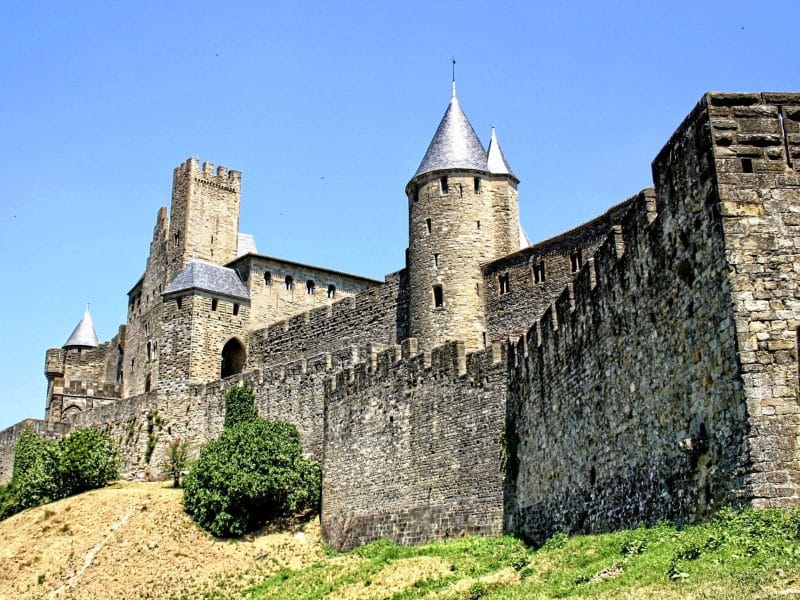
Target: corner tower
{"x": 463, "y": 212}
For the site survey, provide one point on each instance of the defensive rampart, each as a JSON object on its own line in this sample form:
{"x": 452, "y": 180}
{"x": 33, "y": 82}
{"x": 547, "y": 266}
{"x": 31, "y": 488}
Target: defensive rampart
{"x": 412, "y": 446}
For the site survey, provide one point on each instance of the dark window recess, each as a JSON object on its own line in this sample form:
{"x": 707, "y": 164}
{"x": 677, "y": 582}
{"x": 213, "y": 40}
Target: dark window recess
{"x": 477, "y": 184}
{"x": 267, "y": 278}
{"x": 289, "y": 282}
{"x": 310, "y": 286}
{"x": 331, "y": 291}
{"x": 747, "y": 165}
{"x": 147, "y": 383}
{"x": 478, "y": 223}
{"x": 436, "y": 260}
{"x": 179, "y": 302}
{"x": 538, "y": 273}
{"x": 485, "y": 340}
{"x": 438, "y": 296}
{"x": 214, "y": 304}
{"x": 149, "y": 352}
{"x": 428, "y": 224}
{"x": 575, "y": 261}
{"x": 415, "y": 194}
{"x": 235, "y": 308}
{"x": 505, "y": 284}
{"x": 478, "y": 289}
{"x": 444, "y": 185}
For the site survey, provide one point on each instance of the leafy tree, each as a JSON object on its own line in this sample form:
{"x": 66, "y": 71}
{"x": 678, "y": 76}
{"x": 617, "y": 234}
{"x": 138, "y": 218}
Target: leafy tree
{"x": 88, "y": 461}
{"x": 34, "y": 479}
{"x": 252, "y": 473}
{"x": 240, "y": 405}
{"x": 176, "y": 461}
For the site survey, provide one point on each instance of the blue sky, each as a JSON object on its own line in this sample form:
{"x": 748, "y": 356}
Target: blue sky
{"x": 326, "y": 108}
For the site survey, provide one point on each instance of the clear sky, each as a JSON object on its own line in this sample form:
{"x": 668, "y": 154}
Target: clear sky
{"x": 327, "y": 109}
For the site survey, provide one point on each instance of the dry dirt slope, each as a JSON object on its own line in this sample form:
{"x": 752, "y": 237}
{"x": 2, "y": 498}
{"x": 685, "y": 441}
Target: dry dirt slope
{"x": 132, "y": 540}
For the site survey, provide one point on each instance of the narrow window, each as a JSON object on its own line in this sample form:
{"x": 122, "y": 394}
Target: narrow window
{"x": 147, "y": 383}
{"x": 267, "y": 278}
{"x": 214, "y": 304}
{"x": 415, "y": 194}
{"x": 747, "y": 165}
{"x": 485, "y": 339}
{"x": 477, "y": 182}
{"x": 289, "y": 282}
{"x": 310, "y": 286}
{"x": 575, "y": 261}
{"x": 179, "y": 302}
{"x": 149, "y": 352}
{"x": 505, "y": 285}
{"x": 538, "y": 273}
{"x": 331, "y": 291}
{"x": 478, "y": 223}
{"x": 436, "y": 260}
{"x": 478, "y": 289}
{"x": 428, "y": 224}
{"x": 444, "y": 185}
{"x": 235, "y": 309}
{"x": 438, "y": 296}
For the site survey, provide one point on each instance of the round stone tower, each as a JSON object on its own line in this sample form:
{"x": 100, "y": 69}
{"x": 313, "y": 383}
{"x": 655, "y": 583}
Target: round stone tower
{"x": 462, "y": 212}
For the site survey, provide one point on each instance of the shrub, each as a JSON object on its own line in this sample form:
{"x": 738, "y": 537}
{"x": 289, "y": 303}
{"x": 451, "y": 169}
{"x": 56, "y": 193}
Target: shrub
{"x": 88, "y": 461}
{"x": 34, "y": 479}
{"x": 176, "y": 461}
{"x": 8, "y": 502}
{"x": 252, "y": 473}
{"x": 240, "y": 405}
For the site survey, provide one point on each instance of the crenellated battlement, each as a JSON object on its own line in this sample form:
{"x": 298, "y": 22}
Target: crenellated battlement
{"x": 192, "y": 166}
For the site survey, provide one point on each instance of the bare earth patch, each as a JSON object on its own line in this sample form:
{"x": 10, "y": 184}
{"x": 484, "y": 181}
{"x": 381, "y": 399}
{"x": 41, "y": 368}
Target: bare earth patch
{"x": 133, "y": 540}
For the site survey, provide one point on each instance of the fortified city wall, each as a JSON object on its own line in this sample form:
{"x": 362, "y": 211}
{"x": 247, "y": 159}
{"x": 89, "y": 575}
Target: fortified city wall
{"x": 412, "y": 446}
{"x": 633, "y": 399}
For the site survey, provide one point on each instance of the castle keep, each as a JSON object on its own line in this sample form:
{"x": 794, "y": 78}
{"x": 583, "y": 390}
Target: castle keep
{"x": 641, "y": 366}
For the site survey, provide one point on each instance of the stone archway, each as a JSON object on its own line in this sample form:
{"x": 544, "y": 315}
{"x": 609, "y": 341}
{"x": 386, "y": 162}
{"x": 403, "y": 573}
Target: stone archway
{"x": 233, "y": 358}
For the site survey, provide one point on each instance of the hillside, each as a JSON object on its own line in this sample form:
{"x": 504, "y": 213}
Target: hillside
{"x": 132, "y": 540}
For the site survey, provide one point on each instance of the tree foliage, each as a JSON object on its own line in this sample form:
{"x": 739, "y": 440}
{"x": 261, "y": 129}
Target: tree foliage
{"x": 176, "y": 461}
{"x": 252, "y": 473}
{"x": 46, "y": 470}
{"x": 240, "y": 405}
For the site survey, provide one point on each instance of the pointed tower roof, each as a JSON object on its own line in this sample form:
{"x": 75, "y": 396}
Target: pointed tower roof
{"x": 496, "y": 161}
{"x": 454, "y": 145}
{"x": 84, "y": 335}
{"x": 207, "y": 277}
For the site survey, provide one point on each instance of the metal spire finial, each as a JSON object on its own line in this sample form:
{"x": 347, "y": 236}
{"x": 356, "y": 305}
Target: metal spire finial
{"x": 454, "y": 78}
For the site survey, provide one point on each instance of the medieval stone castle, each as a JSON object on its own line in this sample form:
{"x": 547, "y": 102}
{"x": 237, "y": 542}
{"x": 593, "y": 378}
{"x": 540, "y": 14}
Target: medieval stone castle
{"x": 641, "y": 366}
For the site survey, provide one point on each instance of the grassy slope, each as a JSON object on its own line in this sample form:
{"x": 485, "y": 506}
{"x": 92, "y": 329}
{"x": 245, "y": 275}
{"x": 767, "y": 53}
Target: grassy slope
{"x": 739, "y": 555}
{"x": 134, "y": 541}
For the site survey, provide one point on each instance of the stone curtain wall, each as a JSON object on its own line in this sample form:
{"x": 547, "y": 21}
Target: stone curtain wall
{"x": 377, "y": 315}
{"x": 629, "y": 405}
{"x": 757, "y": 153}
{"x": 412, "y": 447}
{"x": 510, "y": 313}
{"x": 10, "y": 436}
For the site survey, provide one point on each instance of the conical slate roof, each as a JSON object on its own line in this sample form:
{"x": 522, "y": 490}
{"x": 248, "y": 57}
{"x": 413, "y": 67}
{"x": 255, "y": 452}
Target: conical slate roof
{"x": 496, "y": 162}
{"x": 84, "y": 335}
{"x": 208, "y": 277}
{"x": 454, "y": 145}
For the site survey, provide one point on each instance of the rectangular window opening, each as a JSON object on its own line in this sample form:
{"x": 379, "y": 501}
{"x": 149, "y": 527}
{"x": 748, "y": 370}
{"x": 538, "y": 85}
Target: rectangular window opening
{"x": 214, "y": 304}
{"x": 538, "y": 273}
{"x": 179, "y": 302}
{"x": 478, "y": 223}
{"x": 415, "y": 194}
{"x": 428, "y": 224}
{"x": 267, "y": 278}
{"x": 747, "y": 165}
{"x": 575, "y": 261}
{"x": 436, "y": 260}
{"x": 444, "y": 184}
{"x": 505, "y": 284}
{"x": 477, "y": 181}
{"x": 235, "y": 309}
{"x": 438, "y": 296}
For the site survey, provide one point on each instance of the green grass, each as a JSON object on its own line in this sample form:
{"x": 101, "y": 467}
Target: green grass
{"x": 736, "y": 555}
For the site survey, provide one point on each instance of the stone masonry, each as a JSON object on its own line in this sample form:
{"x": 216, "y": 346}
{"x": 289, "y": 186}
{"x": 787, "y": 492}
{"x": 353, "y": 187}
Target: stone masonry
{"x": 641, "y": 366}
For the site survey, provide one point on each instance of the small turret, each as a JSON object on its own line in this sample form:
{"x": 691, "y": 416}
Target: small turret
{"x": 84, "y": 335}
{"x": 496, "y": 160}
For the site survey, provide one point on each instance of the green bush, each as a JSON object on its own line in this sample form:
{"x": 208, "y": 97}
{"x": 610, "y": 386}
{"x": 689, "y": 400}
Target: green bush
{"x": 240, "y": 405}
{"x": 46, "y": 470}
{"x": 34, "y": 479}
{"x": 252, "y": 473}
{"x": 88, "y": 461}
